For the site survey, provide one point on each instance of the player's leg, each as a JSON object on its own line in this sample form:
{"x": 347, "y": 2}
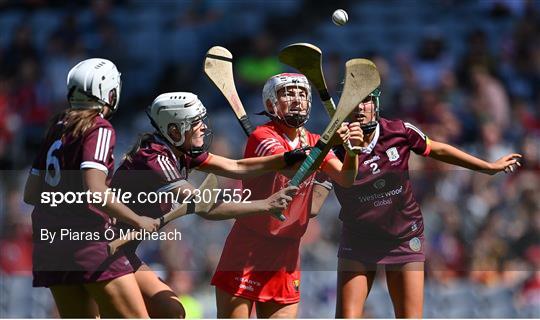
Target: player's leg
{"x": 276, "y": 310}
{"x": 406, "y": 287}
{"x": 73, "y": 301}
{"x": 160, "y": 299}
{"x": 229, "y": 306}
{"x": 118, "y": 298}
{"x": 354, "y": 281}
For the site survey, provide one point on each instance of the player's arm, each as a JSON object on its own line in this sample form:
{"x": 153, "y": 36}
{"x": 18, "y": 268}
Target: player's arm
{"x": 345, "y": 173}
{"x": 321, "y": 190}
{"x": 249, "y": 167}
{"x": 94, "y": 180}
{"x": 452, "y": 155}
{"x": 229, "y": 210}
{"x": 342, "y": 135}
{"x": 97, "y": 150}
{"x": 32, "y": 188}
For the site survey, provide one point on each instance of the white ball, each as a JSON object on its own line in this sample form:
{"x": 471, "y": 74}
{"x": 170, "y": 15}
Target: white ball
{"x": 340, "y": 17}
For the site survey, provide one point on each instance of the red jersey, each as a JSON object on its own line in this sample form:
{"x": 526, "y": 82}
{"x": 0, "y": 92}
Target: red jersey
{"x": 267, "y": 140}
{"x": 381, "y": 203}
{"x": 260, "y": 259}
{"x": 59, "y": 164}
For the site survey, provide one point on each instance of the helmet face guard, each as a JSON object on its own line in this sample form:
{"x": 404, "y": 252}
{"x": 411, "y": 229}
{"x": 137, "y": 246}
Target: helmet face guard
{"x": 369, "y": 127}
{"x": 287, "y": 81}
{"x": 114, "y": 97}
{"x": 295, "y": 118}
{"x": 207, "y": 136}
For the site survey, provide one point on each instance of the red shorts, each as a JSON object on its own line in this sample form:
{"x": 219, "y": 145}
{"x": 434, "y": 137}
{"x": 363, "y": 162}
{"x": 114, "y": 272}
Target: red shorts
{"x": 259, "y": 268}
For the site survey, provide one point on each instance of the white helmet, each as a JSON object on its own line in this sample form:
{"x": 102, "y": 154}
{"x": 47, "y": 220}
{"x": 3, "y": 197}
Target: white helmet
{"x": 179, "y": 108}
{"x": 274, "y": 84}
{"x": 94, "y": 80}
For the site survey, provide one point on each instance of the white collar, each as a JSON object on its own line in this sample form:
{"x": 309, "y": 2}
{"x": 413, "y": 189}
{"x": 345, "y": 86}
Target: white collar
{"x": 292, "y": 143}
{"x": 373, "y": 142}
{"x": 167, "y": 145}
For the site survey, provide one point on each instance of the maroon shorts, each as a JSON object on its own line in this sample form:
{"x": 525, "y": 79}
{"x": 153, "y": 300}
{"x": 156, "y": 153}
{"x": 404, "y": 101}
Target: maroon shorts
{"x": 75, "y": 262}
{"x": 380, "y": 251}
{"x": 134, "y": 259}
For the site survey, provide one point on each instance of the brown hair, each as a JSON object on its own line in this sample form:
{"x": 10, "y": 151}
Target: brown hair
{"x": 75, "y": 121}
{"x": 143, "y": 137}
{"x": 303, "y": 138}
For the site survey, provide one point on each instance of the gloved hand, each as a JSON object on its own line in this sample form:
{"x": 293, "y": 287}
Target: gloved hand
{"x": 296, "y": 155}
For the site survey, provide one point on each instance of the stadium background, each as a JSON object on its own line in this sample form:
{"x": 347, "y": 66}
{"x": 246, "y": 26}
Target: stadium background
{"x": 466, "y": 72}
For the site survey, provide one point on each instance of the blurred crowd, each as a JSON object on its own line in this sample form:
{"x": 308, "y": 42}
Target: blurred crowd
{"x": 470, "y": 77}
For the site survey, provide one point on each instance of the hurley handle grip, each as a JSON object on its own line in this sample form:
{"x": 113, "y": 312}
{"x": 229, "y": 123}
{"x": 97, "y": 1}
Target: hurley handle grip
{"x": 279, "y": 216}
{"x": 246, "y": 124}
{"x": 329, "y": 106}
{"x": 325, "y": 97}
{"x": 303, "y": 171}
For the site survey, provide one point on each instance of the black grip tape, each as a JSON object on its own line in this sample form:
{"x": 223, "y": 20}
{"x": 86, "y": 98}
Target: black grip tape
{"x": 161, "y": 222}
{"x": 321, "y": 145}
{"x": 325, "y": 96}
{"x": 246, "y": 125}
{"x": 213, "y": 56}
{"x": 191, "y": 207}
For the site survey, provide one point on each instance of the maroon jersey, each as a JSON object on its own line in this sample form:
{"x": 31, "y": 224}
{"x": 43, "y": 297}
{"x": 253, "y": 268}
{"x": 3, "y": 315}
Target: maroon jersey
{"x": 381, "y": 203}
{"x": 154, "y": 168}
{"x": 59, "y": 163}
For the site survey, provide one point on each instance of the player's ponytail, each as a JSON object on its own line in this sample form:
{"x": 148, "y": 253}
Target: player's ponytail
{"x": 76, "y": 122}
{"x": 137, "y": 145}
{"x": 303, "y": 137}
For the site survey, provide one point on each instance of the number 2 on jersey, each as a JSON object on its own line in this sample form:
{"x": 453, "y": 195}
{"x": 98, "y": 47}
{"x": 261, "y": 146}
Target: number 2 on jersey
{"x": 374, "y": 168}
{"x": 53, "y": 178}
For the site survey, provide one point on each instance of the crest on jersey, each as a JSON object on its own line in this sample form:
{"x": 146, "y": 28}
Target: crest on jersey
{"x": 415, "y": 244}
{"x": 392, "y": 154}
{"x": 296, "y": 284}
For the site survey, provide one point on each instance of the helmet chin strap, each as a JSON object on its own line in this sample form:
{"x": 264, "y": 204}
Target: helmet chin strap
{"x": 295, "y": 121}
{"x": 369, "y": 127}
{"x": 194, "y": 152}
